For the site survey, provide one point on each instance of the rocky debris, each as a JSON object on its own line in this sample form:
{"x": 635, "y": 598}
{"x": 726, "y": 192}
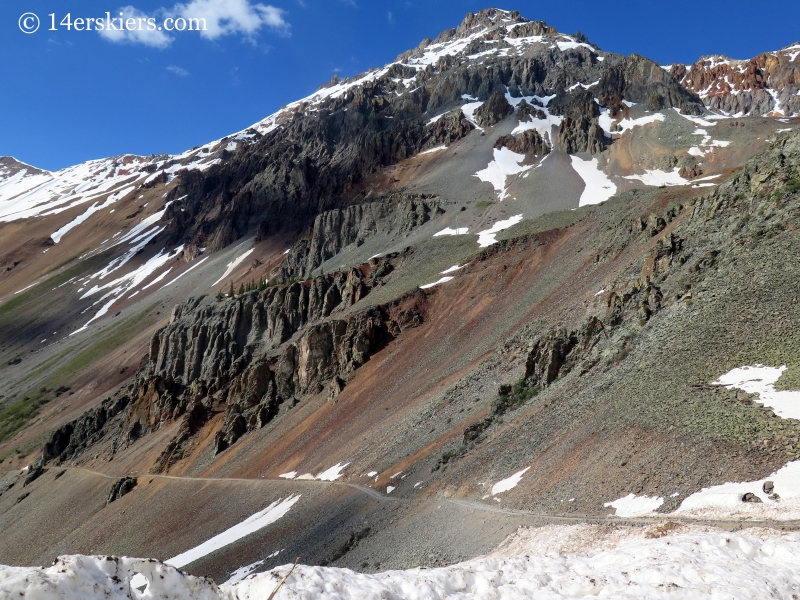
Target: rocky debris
{"x": 336, "y": 229}
{"x": 750, "y": 497}
{"x": 495, "y": 109}
{"x": 121, "y": 487}
{"x": 768, "y": 487}
{"x": 759, "y": 86}
{"x": 35, "y": 471}
{"x": 7, "y": 485}
{"x": 528, "y": 142}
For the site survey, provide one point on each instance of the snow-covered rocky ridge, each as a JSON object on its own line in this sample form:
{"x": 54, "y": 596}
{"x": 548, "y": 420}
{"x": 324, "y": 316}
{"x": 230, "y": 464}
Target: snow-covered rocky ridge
{"x": 664, "y": 560}
{"x": 766, "y": 84}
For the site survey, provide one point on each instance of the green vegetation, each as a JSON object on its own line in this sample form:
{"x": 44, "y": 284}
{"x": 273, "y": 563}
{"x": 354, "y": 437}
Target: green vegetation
{"x": 17, "y": 415}
{"x": 483, "y": 204}
{"x": 792, "y": 185}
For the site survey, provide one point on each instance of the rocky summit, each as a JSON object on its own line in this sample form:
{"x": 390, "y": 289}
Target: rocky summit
{"x": 506, "y": 285}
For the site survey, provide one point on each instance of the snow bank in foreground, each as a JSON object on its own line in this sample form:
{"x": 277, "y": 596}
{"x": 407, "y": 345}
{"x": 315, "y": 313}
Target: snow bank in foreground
{"x": 558, "y": 561}
{"x": 599, "y": 187}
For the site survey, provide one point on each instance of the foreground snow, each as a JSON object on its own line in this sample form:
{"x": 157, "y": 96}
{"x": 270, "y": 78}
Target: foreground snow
{"x": 665, "y": 560}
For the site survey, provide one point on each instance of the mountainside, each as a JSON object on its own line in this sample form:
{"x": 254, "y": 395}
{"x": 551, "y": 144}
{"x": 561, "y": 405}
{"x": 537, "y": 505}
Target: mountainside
{"x": 505, "y": 275}
{"x": 768, "y": 84}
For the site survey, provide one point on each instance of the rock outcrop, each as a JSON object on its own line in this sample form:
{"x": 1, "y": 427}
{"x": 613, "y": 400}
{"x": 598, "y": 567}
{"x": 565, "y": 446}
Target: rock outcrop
{"x": 336, "y": 229}
{"x": 527, "y": 142}
{"x": 767, "y": 84}
{"x": 247, "y": 357}
{"x": 495, "y": 109}
{"x": 120, "y": 488}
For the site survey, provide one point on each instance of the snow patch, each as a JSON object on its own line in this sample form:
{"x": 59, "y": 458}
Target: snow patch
{"x": 437, "y": 149}
{"x": 333, "y": 473}
{"x": 759, "y": 379}
{"x": 235, "y": 263}
{"x": 437, "y": 282}
{"x": 509, "y": 483}
{"x": 450, "y": 231}
{"x": 453, "y": 268}
{"x": 657, "y": 177}
{"x": 505, "y": 164}
{"x": 635, "y": 506}
{"x": 599, "y": 187}
{"x": 487, "y": 237}
{"x": 610, "y": 127}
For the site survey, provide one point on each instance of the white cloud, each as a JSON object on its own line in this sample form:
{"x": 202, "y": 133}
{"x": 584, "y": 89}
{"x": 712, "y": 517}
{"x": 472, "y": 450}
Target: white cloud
{"x": 154, "y": 38}
{"x": 222, "y": 17}
{"x": 390, "y": 17}
{"x": 178, "y": 71}
{"x": 227, "y": 17}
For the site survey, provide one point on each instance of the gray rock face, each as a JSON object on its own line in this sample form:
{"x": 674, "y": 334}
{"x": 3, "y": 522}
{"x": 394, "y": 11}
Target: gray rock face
{"x": 120, "y": 488}
{"x": 247, "y": 356}
{"x": 334, "y": 230}
{"x": 528, "y": 142}
{"x": 495, "y": 109}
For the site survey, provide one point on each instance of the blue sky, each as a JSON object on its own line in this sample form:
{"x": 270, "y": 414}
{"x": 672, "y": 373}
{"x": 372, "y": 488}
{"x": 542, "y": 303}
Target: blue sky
{"x": 70, "y": 96}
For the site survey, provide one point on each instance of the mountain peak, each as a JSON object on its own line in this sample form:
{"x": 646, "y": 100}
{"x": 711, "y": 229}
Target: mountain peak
{"x": 489, "y": 18}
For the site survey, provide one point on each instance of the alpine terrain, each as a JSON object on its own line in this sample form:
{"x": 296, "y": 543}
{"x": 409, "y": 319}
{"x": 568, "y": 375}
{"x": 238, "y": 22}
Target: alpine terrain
{"x": 508, "y": 317}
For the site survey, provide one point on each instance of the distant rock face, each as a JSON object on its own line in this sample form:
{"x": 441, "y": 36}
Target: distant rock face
{"x": 317, "y": 160}
{"x": 495, "y": 109}
{"x": 638, "y": 79}
{"x": 335, "y": 229}
{"x": 767, "y": 84}
{"x": 528, "y": 142}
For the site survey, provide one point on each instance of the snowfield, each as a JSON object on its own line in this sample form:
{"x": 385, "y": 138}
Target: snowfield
{"x": 599, "y": 187}
{"x": 663, "y": 560}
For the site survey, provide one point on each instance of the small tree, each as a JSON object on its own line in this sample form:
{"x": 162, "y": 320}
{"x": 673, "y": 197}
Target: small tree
{"x": 241, "y": 289}
{"x": 219, "y": 296}
{"x": 230, "y": 292}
